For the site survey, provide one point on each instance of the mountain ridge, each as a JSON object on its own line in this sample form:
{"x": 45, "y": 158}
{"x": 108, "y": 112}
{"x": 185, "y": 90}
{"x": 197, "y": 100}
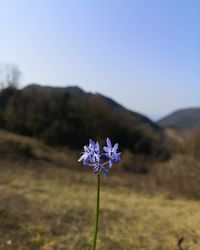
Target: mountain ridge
{"x": 80, "y": 93}
{"x": 183, "y": 119}
{"x": 69, "y": 116}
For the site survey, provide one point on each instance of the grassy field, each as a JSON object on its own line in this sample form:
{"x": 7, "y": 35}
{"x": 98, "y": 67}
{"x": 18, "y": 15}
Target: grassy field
{"x": 43, "y": 206}
{"x": 47, "y": 201}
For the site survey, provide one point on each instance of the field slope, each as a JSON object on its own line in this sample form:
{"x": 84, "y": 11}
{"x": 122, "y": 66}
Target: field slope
{"x": 52, "y": 208}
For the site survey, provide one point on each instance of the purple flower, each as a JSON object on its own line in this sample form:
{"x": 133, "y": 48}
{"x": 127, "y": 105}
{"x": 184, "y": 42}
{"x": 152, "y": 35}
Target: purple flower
{"x": 111, "y": 153}
{"x": 92, "y": 156}
{"x": 91, "y": 153}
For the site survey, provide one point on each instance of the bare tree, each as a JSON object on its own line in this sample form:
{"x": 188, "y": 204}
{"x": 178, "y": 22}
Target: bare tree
{"x": 12, "y": 75}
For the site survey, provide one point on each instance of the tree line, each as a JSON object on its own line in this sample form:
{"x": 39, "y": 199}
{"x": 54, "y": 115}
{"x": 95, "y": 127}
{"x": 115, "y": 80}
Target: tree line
{"x": 61, "y": 119}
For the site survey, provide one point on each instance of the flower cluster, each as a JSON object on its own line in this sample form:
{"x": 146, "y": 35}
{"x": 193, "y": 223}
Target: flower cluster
{"x": 101, "y": 161}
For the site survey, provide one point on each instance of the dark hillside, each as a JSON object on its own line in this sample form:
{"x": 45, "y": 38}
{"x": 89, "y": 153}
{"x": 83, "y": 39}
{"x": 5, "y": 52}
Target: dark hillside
{"x": 184, "y": 119}
{"x": 69, "y": 116}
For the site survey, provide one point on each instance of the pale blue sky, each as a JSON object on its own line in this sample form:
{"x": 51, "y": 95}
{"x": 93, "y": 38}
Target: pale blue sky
{"x": 143, "y": 53}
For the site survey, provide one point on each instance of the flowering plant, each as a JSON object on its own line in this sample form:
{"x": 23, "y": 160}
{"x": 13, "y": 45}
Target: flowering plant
{"x": 101, "y": 161}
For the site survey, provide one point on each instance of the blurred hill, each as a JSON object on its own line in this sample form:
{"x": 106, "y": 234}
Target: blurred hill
{"x": 109, "y": 103}
{"x": 69, "y": 117}
{"x": 184, "y": 119}
{"x": 18, "y": 148}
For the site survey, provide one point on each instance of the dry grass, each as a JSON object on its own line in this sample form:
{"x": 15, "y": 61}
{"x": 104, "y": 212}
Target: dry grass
{"x": 50, "y": 208}
{"x": 13, "y": 146}
{"x": 47, "y": 202}
{"x": 179, "y": 177}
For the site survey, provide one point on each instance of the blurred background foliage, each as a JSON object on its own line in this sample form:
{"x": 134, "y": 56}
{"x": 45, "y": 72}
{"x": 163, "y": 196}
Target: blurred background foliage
{"x": 60, "y": 118}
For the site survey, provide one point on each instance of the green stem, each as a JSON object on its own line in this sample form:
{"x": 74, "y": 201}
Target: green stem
{"x": 97, "y": 213}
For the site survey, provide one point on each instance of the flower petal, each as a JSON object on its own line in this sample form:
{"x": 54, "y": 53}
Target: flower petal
{"x": 110, "y": 163}
{"x": 109, "y": 143}
{"x": 105, "y": 171}
{"x": 82, "y": 157}
{"x": 97, "y": 146}
{"x": 106, "y": 149}
{"x": 115, "y": 146}
{"x": 92, "y": 143}
{"x": 86, "y": 149}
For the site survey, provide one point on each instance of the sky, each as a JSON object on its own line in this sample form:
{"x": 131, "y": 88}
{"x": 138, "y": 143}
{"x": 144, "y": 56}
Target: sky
{"x": 145, "y": 54}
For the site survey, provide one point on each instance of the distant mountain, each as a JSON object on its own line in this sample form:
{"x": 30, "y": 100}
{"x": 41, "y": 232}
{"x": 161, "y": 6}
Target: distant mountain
{"x": 69, "y": 116}
{"x": 184, "y": 119}
{"x": 73, "y": 90}
{"x": 80, "y": 94}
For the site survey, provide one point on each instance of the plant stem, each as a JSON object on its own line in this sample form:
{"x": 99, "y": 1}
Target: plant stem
{"x": 97, "y": 213}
